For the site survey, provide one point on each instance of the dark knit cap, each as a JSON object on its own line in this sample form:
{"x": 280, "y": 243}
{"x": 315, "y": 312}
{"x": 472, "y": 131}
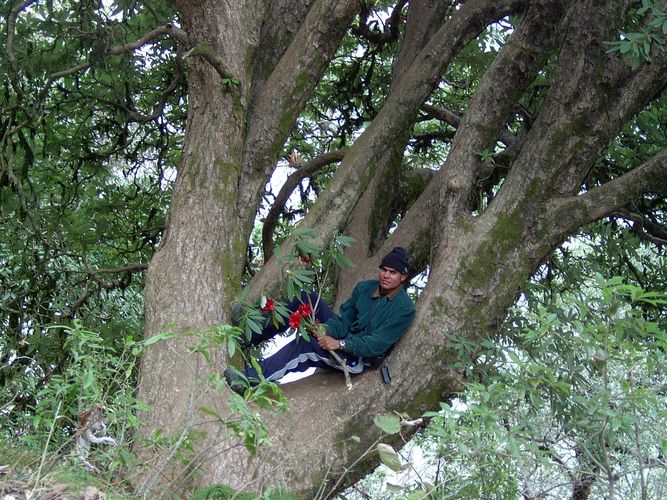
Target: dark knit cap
{"x": 397, "y": 260}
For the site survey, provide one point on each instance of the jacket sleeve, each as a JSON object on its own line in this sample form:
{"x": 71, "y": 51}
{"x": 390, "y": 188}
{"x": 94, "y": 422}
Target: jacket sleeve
{"x": 382, "y": 337}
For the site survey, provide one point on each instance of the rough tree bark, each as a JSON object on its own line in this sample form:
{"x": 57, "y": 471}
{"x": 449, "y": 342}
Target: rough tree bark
{"x": 478, "y": 261}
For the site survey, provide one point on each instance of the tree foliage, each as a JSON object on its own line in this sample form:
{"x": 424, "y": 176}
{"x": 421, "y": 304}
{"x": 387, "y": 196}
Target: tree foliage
{"x": 573, "y": 404}
{"x": 90, "y": 137}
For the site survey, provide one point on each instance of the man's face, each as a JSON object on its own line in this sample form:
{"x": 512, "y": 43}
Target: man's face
{"x": 390, "y": 279}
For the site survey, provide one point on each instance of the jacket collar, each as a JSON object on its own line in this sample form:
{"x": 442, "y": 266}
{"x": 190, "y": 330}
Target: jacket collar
{"x": 389, "y": 296}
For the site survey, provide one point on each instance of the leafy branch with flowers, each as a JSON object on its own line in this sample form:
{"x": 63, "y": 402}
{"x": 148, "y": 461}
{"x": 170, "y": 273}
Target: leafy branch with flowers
{"x": 307, "y": 270}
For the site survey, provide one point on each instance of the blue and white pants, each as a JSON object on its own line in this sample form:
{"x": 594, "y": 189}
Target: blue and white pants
{"x": 300, "y": 354}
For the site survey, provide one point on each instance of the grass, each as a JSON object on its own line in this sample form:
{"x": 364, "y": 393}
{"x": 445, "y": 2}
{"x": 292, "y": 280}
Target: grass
{"x": 29, "y": 475}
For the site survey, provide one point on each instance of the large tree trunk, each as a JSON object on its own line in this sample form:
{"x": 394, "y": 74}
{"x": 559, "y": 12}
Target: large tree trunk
{"x": 478, "y": 260}
{"x": 230, "y": 147}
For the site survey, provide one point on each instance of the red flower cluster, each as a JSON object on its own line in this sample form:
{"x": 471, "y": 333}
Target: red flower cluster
{"x": 304, "y": 310}
{"x": 295, "y": 318}
{"x": 306, "y": 259}
{"x": 268, "y": 306}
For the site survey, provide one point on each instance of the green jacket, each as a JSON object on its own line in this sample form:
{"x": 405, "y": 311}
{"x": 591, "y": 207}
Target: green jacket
{"x": 391, "y": 317}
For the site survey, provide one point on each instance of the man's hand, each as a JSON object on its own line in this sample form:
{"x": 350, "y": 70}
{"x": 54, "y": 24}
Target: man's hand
{"x": 328, "y": 343}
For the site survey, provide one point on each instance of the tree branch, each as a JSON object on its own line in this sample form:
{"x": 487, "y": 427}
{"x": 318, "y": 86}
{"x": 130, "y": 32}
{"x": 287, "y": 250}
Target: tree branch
{"x": 286, "y": 190}
{"x": 140, "y": 266}
{"x": 643, "y": 227}
{"x": 422, "y": 141}
{"x": 9, "y": 48}
{"x": 281, "y": 24}
{"x": 381, "y": 203}
{"x": 390, "y": 34}
{"x": 167, "y": 29}
{"x": 212, "y": 57}
{"x": 135, "y": 116}
{"x": 118, "y": 283}
{"x": 589, "y": 119}
{"x": 513, "y": 141}
{"x": 290, "y": 85}
{"x": 566, "y": 215}
{"x": 444, "y": 115}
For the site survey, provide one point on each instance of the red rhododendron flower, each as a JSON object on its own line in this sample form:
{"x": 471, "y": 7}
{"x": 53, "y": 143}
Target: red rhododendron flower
{"x": 294, "y": 320}
{"x": 304, "y": 310}
{"x": 306, "y": 259}
{"x": 269, "y": 306}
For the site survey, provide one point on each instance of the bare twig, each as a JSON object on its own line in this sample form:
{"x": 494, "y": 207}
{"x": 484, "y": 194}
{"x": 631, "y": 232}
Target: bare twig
{"x": 122, "y": 282}
{"x": 140, "y": 266}
{"x": 46, "y": 444}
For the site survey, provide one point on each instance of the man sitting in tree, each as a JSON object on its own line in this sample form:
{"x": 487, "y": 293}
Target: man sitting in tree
{"x": 370, "y": 322}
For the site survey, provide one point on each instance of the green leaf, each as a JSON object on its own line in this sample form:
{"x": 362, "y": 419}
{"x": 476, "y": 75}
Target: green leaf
{"x": 417, "y": 495}
{"x": 88, "y": 378}
{"x": 253, "y": 325}
{"x": 344, "y": 261}
{"x": 258, "y": 369}
{"x": 394, "y": 488}
{"x": 231, "y": 348}
{"x": 210, "y": 411}
{"x": 463, "y": 447}
{"x": 514, "y": 358}
{"x": 289, "y": 289}
{"x": 158, "y": 337}
{"x": 389, "y": 457}
{"x": 389, "y": 423}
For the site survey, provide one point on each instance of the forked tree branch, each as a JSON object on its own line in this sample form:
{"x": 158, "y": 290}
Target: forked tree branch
{"x": 290, "y": 84}
{"x": 514, "y": 67}
{"x": 334, "y": 205}
{"x": 589, "y": 119}
{"x": 281, "y": 24}
{"x": 566, "y": 215}
{"x": 416, "y": 84}
{"x": 381, "y": 202}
